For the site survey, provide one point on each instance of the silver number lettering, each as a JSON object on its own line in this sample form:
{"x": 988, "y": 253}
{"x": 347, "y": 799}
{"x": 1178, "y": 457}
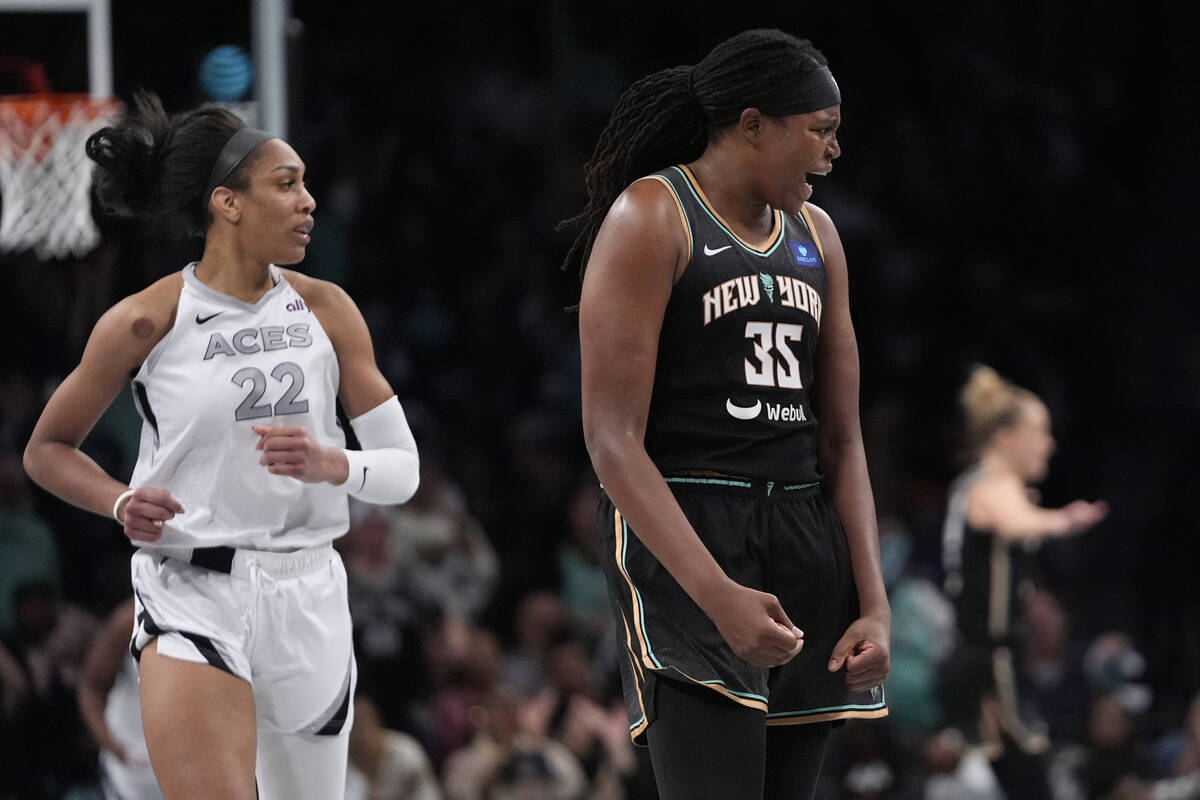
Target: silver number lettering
{"x": 289, "y": 403}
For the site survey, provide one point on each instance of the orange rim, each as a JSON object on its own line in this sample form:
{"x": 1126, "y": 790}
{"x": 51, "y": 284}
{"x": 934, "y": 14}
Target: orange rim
{"x": 30, "y": 107}
{"x": 41, "y": 116}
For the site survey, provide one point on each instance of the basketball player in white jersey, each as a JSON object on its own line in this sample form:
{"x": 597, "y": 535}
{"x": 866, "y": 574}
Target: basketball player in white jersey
{"x": 243, "y": 631}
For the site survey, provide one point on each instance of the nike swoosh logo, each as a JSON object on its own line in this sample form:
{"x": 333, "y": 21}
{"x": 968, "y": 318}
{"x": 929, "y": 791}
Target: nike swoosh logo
{"x": 364, "y": 480}
{"x": 201, "y": 320}
{"x": 708, "y": 251}
{"x": 738, "y": 412}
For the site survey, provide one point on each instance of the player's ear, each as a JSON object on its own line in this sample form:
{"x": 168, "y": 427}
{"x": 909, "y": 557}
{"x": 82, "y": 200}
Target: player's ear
{"x": 750, "y": 124}
{"x": 226, "y": 204}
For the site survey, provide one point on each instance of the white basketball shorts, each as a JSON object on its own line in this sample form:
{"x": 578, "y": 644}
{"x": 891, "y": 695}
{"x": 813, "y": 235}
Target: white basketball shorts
{"x": 280, "y": 621}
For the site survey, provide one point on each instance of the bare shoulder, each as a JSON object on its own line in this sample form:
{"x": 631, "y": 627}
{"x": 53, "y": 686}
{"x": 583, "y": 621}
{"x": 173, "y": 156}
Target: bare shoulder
{"x": 644, "y": 227}
{"x": 647, "y": 201}
{"x": 333, "y": 307}
{"x": 818, "y": 214}
{"x": 160, "y": 297}
{"x": 144, "y": 317}
{"x": 992, "y": 495}
{"x": 996, "y": 480}
{"x": 825, "y": 229}
{"x": 320, "y": 295}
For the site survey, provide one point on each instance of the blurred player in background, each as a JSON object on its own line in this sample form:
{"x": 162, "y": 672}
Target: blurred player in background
{"x": 992, "y": 525}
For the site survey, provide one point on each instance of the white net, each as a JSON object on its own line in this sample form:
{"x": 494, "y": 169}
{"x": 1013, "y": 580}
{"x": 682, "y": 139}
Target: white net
{"x": 45, "y": 174}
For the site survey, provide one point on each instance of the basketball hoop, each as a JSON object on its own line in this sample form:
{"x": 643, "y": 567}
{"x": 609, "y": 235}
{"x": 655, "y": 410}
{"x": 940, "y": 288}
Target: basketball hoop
{"x": 45, "y": 174}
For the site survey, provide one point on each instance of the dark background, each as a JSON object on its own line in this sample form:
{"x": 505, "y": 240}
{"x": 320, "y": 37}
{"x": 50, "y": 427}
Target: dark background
{"x": 1016, "y": 187}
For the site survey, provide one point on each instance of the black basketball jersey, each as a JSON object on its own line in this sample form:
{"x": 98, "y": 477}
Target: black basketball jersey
{"x": 735, "y": 357}
{"x": 983, "y": 572}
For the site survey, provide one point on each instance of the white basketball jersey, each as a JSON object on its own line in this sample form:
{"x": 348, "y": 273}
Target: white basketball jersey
{"x": 224, "y": 367}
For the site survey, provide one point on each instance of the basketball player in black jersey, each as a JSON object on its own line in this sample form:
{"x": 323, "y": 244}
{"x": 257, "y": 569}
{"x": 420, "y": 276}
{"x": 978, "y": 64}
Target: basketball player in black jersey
{"x": 715, "y": 333}
{"x": 991, "y": 526}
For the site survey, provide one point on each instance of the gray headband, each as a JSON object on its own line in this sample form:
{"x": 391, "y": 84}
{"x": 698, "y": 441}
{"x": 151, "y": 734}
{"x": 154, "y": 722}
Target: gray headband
{"x": 240, "y": 145}
{"x": 818, "y": 90}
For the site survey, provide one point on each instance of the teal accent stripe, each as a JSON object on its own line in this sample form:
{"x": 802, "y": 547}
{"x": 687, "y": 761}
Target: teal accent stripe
{"x": 793, "y": 487}
{"x": 853, "y": 707}
{"x": 737, "y": 239}
{"x": 641, "y": 602}
{"x": 639, "y": 722}
{"x": 711, "y": 482}
{"x": 748, "y": 695}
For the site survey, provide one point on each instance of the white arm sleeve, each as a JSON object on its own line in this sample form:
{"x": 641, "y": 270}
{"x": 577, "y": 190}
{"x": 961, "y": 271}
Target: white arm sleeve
{"x": 386, "y": 470}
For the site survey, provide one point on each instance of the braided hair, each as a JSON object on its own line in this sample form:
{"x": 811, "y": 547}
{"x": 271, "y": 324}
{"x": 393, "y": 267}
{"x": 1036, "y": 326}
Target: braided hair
{"x": 668, "y": 117}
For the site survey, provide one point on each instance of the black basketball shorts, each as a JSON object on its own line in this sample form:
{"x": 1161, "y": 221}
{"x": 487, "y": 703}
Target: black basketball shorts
{"x": 778, "y": 538}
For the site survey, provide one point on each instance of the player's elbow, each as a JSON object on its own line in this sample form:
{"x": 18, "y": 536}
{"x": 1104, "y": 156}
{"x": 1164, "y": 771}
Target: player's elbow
{"x": 610, "y": 450}
{"x": 410, "y": 481}
{"x": 405, "y": 479}
{"x": 34, "y": 459}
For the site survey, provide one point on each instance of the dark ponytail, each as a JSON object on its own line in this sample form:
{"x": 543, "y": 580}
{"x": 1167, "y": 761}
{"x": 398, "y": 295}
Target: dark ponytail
{"x": 657, "y": 122}
{"x": 151, "y": 164}
{"x": 669, "y": 117}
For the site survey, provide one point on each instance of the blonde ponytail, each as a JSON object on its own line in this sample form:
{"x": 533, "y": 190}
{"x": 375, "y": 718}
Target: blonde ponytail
{"x": 989, "y": 403}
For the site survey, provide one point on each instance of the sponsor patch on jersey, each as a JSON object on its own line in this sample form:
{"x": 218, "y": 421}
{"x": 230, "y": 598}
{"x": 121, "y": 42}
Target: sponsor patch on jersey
{"x": 775, "y": 412}
{"x": 805, "y": 253}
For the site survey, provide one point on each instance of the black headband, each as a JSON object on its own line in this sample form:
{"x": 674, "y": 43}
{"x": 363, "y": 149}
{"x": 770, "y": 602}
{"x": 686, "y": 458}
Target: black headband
{"x": 240, "y": 145}
{"x": 818, "y": 90}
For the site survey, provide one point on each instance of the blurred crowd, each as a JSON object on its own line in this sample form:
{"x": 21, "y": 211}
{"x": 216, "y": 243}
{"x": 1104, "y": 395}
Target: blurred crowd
{"x": 1020, "y": 206}
{"x": 454, "y": 703}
